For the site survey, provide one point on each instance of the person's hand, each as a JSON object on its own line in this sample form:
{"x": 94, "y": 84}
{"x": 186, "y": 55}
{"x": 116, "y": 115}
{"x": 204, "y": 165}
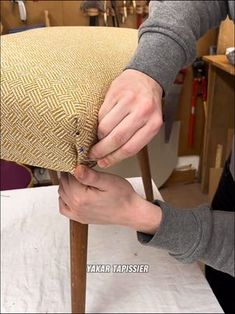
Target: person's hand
{"x": 92, "y": 197}
{"x": 129, "y": 118}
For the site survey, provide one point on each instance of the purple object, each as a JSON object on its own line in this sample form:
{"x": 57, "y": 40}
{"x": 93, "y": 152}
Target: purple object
{"x": 14, "y": 176}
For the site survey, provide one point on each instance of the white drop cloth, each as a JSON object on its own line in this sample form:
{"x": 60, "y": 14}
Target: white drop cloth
{"x": 35, "y": 264}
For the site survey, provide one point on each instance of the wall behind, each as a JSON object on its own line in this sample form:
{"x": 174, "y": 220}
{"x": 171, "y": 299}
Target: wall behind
{"x": 63, "y": 13}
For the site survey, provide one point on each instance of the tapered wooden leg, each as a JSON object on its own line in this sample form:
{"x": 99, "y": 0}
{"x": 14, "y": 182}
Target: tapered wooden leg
{"x": 78, "y": 258}
{"x": 143, "y": 159}
{"x": 54, "y": 177}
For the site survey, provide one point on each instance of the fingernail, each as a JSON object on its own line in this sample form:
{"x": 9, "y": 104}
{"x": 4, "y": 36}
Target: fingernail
{"x": 103, "y": 163}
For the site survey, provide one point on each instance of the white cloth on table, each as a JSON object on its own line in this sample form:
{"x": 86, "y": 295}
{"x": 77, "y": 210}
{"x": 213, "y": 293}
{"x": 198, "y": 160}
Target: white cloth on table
{"x": 36, "y": 267}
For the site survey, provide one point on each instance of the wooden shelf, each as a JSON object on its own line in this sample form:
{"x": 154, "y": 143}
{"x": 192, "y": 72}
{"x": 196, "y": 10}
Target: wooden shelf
{"x": 221, "y": 62}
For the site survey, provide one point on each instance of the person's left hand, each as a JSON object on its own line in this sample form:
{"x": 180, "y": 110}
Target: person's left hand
{"x": 92, "y": 197}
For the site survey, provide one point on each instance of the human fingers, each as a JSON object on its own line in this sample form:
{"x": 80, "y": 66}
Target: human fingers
{"x": 92, "y": 178}
{"x": 64, "y": 180}
{"x": 110, "y": 100}
{"x": 142, "y": 137}
{"x": 63, "y": 195}
{"x": 119, "y": 136}
{"x": 64, "y": 209}
{"x": 112, "y": 118}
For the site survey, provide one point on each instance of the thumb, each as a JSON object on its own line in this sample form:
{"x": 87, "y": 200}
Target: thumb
{"x": 88, "y": 176}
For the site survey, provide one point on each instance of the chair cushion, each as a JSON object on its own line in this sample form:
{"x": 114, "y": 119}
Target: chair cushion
{"x": 53, "y": 83}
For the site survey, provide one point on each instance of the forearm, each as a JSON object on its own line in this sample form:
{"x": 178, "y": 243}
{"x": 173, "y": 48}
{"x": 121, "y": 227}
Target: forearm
{"x": 167, "y": 39}
{"x": 197, "y": 234}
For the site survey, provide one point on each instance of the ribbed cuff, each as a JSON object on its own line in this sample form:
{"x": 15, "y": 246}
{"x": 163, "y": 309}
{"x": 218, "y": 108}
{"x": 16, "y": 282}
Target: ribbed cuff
{"x": 179, "y": 232}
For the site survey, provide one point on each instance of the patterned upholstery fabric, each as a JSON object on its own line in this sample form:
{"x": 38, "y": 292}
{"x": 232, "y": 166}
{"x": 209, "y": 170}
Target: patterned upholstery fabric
{"x": 53, "y": 82}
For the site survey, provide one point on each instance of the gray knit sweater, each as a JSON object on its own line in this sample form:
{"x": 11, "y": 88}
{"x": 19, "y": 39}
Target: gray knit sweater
{"x": 167, "y": 43}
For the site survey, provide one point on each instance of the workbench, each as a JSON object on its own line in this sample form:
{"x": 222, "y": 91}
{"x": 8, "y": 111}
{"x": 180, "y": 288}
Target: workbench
{"x": 220, "y": 112}
{"x": 35, "y": 264}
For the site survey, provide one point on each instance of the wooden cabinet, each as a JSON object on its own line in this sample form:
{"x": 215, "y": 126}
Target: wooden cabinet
{"x": 220, "y": 112}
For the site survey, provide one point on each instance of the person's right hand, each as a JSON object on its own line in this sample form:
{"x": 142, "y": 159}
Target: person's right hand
{"x": 129, "y": 118}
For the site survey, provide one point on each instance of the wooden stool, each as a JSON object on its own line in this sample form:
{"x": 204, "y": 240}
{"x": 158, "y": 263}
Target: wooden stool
{"x": 79, "y": 234}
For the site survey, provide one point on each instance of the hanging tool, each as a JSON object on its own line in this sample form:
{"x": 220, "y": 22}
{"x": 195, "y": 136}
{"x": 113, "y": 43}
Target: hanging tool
{"x": 115, "y": 19}
{"x": 92, "y": 9}
{"x": 22, "y": 9}
{"x": 123, "y": 11}
{"x": 47, "y": 19}
{"x": 142, "y": 11}
{"x": 105, "y": 13}
{"x": 131, "y": 6}
{"x": 124, "y": 17}
{"x": 146, "y": 10}
{"x": 198, "y": 90}
{"x": 140, "y": 15}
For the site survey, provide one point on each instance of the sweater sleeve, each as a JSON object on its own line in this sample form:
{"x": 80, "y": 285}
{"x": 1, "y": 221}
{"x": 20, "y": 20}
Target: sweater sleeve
{"x": 196, "y": 234}
{"x": 167, "y": 39}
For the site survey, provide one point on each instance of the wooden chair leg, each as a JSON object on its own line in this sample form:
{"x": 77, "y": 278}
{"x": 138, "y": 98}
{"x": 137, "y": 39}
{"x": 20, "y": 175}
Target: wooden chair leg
{"x": 143, "y": 159}
{"x": 78, "y": 242}
{"x": 78, "y": 259}
{"x": 54, "y": 177}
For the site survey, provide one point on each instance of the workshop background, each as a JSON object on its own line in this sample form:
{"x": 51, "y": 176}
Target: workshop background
{"x": 187, "y": 169}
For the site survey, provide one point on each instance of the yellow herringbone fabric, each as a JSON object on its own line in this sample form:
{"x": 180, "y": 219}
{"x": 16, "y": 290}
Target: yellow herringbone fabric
{"x": 53, "y": 82}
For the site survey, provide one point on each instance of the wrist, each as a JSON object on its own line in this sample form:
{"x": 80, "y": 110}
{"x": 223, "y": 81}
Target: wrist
{"x": 155, "y": 85}
{"x": 144, "y": 216}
